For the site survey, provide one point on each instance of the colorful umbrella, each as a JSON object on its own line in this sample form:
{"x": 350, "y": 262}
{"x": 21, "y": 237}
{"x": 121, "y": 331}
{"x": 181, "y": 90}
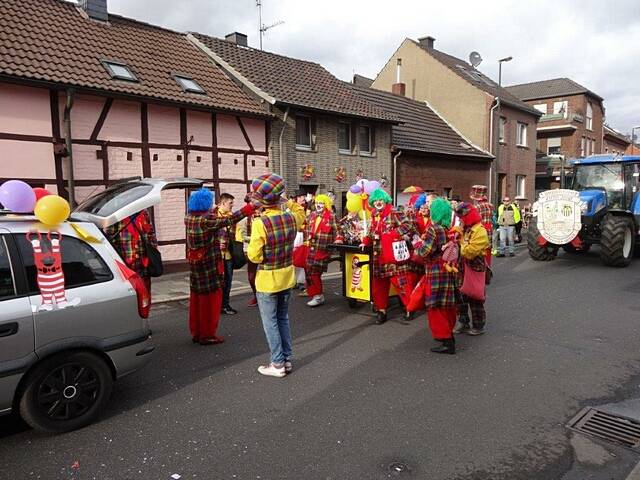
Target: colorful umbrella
{"x": 413, "y": 189}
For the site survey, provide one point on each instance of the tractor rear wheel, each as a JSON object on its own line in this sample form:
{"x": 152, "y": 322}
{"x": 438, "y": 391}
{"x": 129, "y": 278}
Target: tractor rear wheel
{"x": 617, "y": 241}
{"x": 540, "y": 253}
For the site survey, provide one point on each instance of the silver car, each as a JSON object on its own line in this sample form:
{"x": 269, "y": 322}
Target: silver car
{"x": 73, "y": 317}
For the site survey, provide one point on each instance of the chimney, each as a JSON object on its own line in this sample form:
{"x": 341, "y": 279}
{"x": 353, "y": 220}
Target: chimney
{"x": 427, "y": 42}
{"x": 237, "y": 38}
{"x": 96, "y": 9}
{"x": 398, "y": 88}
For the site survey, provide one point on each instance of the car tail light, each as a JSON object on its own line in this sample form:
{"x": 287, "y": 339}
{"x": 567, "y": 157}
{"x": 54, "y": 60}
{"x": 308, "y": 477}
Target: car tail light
{"x": 144, "y": 297}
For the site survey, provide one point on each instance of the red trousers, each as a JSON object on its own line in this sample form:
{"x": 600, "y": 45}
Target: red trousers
{"x": 441, "y": 322}
{"x": 204, "y": 314}
{"x": 252, "y": 268}
{"x": 403, "y": 283}
{"x": 147, "y": 283}
{"x": 314, "y": 284}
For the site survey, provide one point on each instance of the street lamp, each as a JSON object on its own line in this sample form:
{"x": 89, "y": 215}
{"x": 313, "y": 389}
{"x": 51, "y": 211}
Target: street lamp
{"x": 497, "y": 134}
{"x": 633, "y": 143}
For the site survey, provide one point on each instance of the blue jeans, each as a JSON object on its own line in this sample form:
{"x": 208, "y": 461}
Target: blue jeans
{"x": 228, "y": 279}
{"x": 274, "y": 311}
{"x": 506, "y": 235}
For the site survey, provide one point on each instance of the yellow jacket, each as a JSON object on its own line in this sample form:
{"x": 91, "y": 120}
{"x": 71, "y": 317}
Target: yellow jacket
{"x": 475, "y": 242}
{"x": 272, "y": 281}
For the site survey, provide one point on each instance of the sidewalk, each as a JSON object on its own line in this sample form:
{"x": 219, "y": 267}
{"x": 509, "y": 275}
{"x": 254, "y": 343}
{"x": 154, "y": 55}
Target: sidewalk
{"x": 175, "y": 286}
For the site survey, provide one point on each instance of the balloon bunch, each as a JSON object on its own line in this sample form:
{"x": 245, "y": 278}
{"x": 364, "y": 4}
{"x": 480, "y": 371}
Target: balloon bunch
{"x": 358, "y": 196}
{"x": 18, "y": 197}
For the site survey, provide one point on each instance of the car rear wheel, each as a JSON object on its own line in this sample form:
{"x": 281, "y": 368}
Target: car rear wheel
{"x": 66, "y": 392}
{"x": 617, "y": 241}
{"x": 540, "y": 253}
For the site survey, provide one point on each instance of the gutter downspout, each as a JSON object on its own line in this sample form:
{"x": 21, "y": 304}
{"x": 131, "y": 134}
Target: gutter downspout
{"x": 395, "y": 182}
{"x": 280, "y": 148}
{"x": 493, "y": 169}
{"x": 67, "y": 135}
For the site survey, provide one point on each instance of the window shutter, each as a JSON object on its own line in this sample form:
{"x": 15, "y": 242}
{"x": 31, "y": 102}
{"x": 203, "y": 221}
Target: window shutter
{"x": 355, "y": 127}
{"x": 373, "y": 139}
{"x": 313, "y": 131}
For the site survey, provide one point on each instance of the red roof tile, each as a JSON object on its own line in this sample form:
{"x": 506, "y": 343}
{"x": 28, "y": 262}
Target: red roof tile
{"x": 293, "y": 82}
{"x": 54, "y": 41}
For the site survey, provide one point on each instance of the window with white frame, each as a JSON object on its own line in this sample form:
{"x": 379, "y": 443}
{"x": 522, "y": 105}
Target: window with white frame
{"x": 561, "y": 107}
{"x": 364, "y": 139}
{"x": 521, "y": 134}
{"x": 583, "y": 147}
{"x": 344, "y": 137}
{"x": 502, "y": 129}
{"x": 303, "y": 131}
{"x": 553, "y": 145}
{"x": 521, "y": 186}
{"x": 541, "y": 107}
{"x": 589, "y": 116}
{"x": 119, "y": 70}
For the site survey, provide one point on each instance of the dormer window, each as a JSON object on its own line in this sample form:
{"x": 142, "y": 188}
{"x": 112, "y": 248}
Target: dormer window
{"x": 119, "y": 71}
{"x": 188, "y": 84}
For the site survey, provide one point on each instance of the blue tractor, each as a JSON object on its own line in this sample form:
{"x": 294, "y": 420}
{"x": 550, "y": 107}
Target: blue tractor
{"x": 606, "y": 190}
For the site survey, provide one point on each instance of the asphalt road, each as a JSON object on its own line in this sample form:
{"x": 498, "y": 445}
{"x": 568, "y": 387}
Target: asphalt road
{"x": 364, "y": 398}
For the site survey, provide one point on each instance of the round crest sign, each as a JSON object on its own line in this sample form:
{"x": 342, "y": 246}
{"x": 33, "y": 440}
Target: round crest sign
{"x": 558, "y": 214}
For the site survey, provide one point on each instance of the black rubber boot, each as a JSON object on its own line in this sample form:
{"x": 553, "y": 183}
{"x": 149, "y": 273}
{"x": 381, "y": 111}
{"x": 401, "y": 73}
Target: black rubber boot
{"x": 382, "y": 317}
{"x": 448, "y": 346}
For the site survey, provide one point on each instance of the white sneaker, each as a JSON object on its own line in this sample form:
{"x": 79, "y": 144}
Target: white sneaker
{"x": 272, "y": 370}
{"x": 316, "y": 300}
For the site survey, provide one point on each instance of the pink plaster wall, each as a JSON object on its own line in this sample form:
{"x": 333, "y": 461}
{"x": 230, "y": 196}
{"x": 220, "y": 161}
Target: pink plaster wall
{"x": 229, "y": 134}
{"x": 202, "y": 169}
{"x": 237, "y": 190}
{"x": 120, "y": 167}
{"x": 199, "y": 125}
{"x": 172, "y": 252}
{"x": 167, "y": 164}
{"x": 84, "y": 114}
{"x": 260, "y": 166}
{"x": 86, "y": 166}
{"x": 164, "y": 124}
{"x": 228, "y": 168}
{"x": 26, "y": 159}
{"x": 122, "y": 123}
{"x": 24, "y": 110}
{"x": 53, "y": 189}
{"x": 255, "y": 129}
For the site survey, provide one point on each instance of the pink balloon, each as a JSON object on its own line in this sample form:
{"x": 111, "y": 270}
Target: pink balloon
{"x": 17, "y": 196}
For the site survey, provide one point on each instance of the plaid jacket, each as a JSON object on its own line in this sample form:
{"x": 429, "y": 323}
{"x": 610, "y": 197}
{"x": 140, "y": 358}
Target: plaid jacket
{"x": 442, "y": 289}
{"x": 281, "y": 231}
{"x": 389, "y": 220}
{"x": 319, "y": 240}
{"x": 202, "y": 232}
{"x": 485, "y": 209}
{"x": 125, "y": 239}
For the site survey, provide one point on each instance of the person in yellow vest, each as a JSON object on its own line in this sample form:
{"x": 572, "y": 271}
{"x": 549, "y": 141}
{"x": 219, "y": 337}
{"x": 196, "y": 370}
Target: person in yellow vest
{"x": 271, "y": 248}
{"x": 508, "y": 217}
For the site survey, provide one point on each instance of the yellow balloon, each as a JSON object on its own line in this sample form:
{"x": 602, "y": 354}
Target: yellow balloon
{"x": 354, "y": 204}
{"x": 52, "y": 210}
{"x": 350, "y": 194}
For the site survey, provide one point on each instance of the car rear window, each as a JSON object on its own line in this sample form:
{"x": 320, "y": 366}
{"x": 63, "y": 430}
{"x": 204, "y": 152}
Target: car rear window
{"x": 81, "y": 264}
{"x": 112, "y": 200}
{"x": 7, "y": 287}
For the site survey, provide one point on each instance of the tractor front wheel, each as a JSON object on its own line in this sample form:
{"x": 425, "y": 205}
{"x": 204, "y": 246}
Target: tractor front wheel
{"x": 540, "y": 253}
{"x": 617, "y": 241}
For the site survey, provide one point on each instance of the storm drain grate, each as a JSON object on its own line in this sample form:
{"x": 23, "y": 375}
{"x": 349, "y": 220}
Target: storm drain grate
{"x": 613, "y": 428}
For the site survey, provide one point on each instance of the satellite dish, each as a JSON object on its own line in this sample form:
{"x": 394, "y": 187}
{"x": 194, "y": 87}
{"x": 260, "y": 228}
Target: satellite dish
{"x": 475, "y": 59}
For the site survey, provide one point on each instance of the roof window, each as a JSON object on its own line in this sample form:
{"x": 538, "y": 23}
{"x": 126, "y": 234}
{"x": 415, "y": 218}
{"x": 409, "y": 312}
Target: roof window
{"x": 119, "y": 71}
{"x": 188, "y": 84}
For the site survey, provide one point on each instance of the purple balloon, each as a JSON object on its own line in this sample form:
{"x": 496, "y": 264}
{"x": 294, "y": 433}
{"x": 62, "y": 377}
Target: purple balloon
{"x": 371, "y": 186}
{"x": 355, "y": 188}
{"x": 17, "y": 196}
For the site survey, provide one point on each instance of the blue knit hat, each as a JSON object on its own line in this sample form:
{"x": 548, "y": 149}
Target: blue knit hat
{"x": 200, "y": 200}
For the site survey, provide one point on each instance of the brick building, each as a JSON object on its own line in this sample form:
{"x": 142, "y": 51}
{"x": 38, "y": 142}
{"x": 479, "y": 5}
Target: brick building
{"x": 571, "y": 126}
{"x": 324, "y": 135}
{"x": 428, "y": 152}
{"x": 139, "y": 101}
{"x": 614, "y": 142}
{"x": 466, "y": 98}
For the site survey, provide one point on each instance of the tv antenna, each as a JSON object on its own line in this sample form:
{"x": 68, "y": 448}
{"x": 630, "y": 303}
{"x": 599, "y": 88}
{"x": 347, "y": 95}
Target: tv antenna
{"x": 262, "y": 27}
{"x": 475, "y": 59}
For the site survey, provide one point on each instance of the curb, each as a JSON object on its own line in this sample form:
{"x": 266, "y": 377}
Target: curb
{"x": 234, "y": 291}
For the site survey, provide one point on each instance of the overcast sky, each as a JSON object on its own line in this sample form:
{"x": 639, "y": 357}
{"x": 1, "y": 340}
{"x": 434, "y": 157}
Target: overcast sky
{"x": 594, "y": 42}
